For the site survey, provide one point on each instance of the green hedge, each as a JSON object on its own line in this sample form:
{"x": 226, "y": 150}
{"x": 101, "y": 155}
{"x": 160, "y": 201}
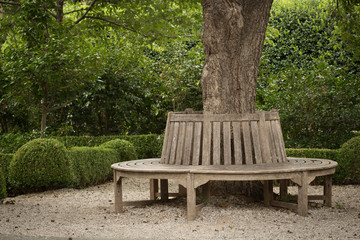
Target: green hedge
{"x": 146, "y": 146}
{"x": 312, "y": 153}
{"x": 91, "y": 165}
{"x": 125, "y": 150}
{"x": 349, "y": 162}
{"x": 2, "y": 185}
{"x": 5, "y": 160}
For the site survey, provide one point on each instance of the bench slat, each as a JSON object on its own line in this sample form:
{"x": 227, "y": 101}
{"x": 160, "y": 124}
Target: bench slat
{"x": 206, "y": 143}
{"x": 227, "y": 143}
{"x": 237, "y": 143}
{"x": 264, "y": 140}
{"x": 197, "y": 143}
{"x": 247, "y": 143}
{"x": 281, "y": 139}
{"x": 276, "y": 141}
{"x": 216, "y": 143}
{"x": 256, "y": 141}
{"x": 174, "y": 143}
{"x": 165, "y": 150}
{"x": 188, "y": 143}
{"x": 180, "y": 144}
{"x": 271, "y": 143}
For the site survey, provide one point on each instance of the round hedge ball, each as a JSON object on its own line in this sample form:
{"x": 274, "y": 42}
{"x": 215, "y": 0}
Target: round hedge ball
{"x": 349, "y": 161}
{"x": 38, "y": 165}
{"x": 125, "y": 149}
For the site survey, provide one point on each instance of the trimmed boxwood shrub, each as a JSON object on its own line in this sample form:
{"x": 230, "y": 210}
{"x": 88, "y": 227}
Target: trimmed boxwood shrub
{"x": 312, "y": 153}
{"x": 146, "y": 146}
{"x": 40, "y": 164}
{"x": 349, "y": 162}
{"x": 5, "y": 160}
{"x": 91, "y": 165}
{"x": 2, "y": 185}
{"x": 124, "y": 149}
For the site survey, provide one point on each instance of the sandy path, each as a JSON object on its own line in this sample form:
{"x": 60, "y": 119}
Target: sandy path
{"x": 89, "y": 213}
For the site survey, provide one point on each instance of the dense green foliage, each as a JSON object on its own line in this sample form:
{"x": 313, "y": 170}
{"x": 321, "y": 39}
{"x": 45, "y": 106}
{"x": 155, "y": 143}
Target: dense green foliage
{"x": 5, "y": 160}
{"x": 349, "y": 162}
{"x": 39, "y": 164}
{"x": 91, "y": 165}
{"x": 309, "y": 75}
{"x": 102, "y": 70}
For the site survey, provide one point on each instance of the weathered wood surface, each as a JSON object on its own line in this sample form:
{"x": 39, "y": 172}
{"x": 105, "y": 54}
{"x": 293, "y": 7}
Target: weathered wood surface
{"x": 223, "y": 139}
{"x": 293, "y": 165}
{"x": 199, "y": 148}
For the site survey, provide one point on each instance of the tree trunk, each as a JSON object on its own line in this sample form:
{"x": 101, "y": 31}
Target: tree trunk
{"x": 233, "y": 38}
{"x": 43, "y": 118}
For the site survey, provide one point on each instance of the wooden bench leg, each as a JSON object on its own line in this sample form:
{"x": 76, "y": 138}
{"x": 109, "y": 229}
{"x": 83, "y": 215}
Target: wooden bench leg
{"x": 268, "y": 192}
{"x": 164, "y": 189}
{"x": 283, "y": 189}
{"x": 303, "y": 195}
{"x": 154, "y": 188}
{"x": 328, "y": 190}
{"x": 119, "y": 204}
{"x": 191, "y": 198}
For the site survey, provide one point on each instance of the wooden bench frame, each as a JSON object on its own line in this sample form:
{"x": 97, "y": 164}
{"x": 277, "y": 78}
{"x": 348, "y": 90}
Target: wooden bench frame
{"x": 201, "y": 148}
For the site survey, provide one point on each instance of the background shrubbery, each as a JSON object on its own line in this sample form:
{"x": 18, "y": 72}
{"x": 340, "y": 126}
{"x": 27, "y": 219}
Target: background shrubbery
{"x": 43, "y": 164}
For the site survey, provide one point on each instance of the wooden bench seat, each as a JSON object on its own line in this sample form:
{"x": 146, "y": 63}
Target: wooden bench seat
{"x": 199, "y": 148}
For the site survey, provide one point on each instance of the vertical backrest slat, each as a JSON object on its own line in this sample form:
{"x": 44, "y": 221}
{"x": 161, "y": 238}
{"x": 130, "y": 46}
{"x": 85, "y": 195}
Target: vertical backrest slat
{"x": 197, "y": 143}
{"x": 271, "y": 142}
{"x": 168, "y": 142}
{"x": 247, "y": 142}
{"x": 264, "y": 139}
{"x": 216, "y": 138}
{"x": 174, "y": 139}
{"x": 256, "y": 141}
{"x": 237, "y": 143}
{"x": 180, "y": 144}
{"x": 206, "y": 142}
{"x": 188, "y": 143}
{"x": 165, "y": 150}
{"x": 276, "y": 140}
{"x": 281, "y": 140}
{"x": 227, "y": 143}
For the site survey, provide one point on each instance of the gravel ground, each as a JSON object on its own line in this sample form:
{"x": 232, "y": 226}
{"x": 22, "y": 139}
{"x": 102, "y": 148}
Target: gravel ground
{"x": 89, "y": 214}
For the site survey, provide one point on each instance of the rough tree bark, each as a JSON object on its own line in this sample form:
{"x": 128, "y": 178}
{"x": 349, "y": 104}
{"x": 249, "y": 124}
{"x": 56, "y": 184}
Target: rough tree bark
{"x": 233, "y": 38}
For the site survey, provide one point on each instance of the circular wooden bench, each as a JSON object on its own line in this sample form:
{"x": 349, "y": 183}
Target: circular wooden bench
{"x": 200, "y": 148}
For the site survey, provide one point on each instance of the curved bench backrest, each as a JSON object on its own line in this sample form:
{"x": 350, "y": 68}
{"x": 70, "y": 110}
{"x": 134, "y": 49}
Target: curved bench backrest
{"x": 223, "y": 139}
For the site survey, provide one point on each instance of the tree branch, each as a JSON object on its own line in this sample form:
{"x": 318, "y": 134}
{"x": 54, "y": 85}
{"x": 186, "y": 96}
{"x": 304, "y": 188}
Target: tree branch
{"x": 117, "y": 24}
{"x": 63, "y": 105}
{"x": 78, "y": 10}
{"x": 10, "y": 3}
{"x": 84, "y": 15}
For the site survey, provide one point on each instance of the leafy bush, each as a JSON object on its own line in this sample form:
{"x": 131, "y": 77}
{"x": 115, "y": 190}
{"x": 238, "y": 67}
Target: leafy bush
{"x": 5, "y": 160}
{"x": 91, "y": 165}
{"x": 39, "y": 165}
{"x": 349, "y": 162}
{"x": 309, "y": 76}
{"x": 124, "y": 149}
{"x": 2, "y": 185}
